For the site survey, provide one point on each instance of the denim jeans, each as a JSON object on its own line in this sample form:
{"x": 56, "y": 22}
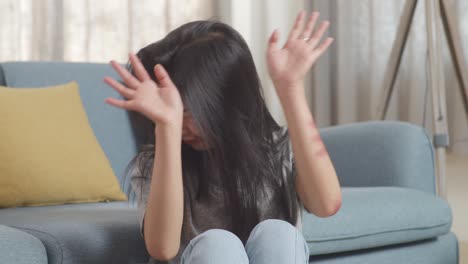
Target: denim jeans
{"x": 271, "y": 241}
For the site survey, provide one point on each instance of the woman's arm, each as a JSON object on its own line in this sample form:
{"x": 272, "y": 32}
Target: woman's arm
{"x": 163, "y": 105}
{"x": 164, "y": 208}
{"x": 316, "y": 183}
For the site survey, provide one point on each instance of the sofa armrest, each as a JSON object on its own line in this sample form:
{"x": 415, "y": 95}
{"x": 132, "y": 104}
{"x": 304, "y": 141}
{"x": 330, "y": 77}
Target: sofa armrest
{"x": 382, "y": 153}
{"x": 19, "y": 247}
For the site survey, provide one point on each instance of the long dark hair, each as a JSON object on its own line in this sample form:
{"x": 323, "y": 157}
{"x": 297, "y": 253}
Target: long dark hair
{"x": 212, "y": 67}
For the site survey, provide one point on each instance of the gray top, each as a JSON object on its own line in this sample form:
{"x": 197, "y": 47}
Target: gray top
{"x": 200, "y": 216}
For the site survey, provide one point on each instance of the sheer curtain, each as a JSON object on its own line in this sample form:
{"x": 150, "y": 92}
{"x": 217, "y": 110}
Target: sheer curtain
{"x": 345, "y": 85}
{"x": 89, "y": 30}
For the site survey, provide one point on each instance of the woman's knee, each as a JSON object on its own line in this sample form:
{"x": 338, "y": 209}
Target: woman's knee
{"x": 215, "y": 246}
{"x": 278, "y": 240}
{"x": 273, "y": 229}
{"x": 218, "y": 238}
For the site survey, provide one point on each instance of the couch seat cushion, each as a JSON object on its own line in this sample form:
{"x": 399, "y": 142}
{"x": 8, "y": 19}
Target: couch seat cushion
{"x": 377, "y": 216}
{"x": 82, "y": 233}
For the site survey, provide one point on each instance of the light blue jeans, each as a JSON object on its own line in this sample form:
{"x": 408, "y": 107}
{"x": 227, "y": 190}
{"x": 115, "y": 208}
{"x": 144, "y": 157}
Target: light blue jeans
{"x": 271, "y": 241}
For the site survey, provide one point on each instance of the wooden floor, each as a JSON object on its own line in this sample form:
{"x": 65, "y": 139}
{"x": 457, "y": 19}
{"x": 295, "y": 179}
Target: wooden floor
{"x": 463, "y": 252}
{"x": 457, "y": 194}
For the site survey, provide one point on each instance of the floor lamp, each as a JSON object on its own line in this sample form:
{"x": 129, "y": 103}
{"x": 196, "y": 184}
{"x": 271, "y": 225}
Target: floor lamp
{"x": 436, "y": 11}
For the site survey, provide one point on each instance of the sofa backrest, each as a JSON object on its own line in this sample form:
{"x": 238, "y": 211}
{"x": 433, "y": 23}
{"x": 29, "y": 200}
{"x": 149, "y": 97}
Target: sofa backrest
{"x": 111, "y": 125}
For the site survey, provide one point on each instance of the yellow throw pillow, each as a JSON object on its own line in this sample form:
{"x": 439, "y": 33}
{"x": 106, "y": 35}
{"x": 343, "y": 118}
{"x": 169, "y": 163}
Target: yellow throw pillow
{"x": 48, "y": 151}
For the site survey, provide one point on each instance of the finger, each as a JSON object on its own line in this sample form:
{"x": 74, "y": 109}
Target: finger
{"x": 310, "y": 25}
{"x": 126, "y": 76}
{"x": 138, "y": 68}
{"x": 120, "y": 88}
{"x": 119, "y": 103}
{"x": 298, "y": 25}
{"x": 323, "y": 47}
{"x": 162, "y": 76}
{"x": 273, "y": 41}
{"x": 314, "y": 40}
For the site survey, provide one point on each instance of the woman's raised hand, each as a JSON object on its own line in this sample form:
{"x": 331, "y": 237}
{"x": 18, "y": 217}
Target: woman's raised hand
{"x": 288, "y": 65}
{"x": 161, "y": 103}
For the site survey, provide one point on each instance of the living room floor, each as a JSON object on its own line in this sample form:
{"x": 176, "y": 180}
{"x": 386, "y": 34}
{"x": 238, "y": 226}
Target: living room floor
{"x": 457, "y": 194}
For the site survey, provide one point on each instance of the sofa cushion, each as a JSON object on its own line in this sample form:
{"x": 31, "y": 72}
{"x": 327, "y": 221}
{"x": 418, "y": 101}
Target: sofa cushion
{"x": 109, "y": 232}
{"x": 110, "y": 124}
{"x": 377, "y": 216}
{"x": 48, "y": 152}
{"x": 19, "y": 247}
{"x": 440, "y": 250}
{"x": 83, "y": 233}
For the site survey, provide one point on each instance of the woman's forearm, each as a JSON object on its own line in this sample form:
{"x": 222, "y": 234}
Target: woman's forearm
{"x": 164, "y": 209}
{"x": 316, "y": 183}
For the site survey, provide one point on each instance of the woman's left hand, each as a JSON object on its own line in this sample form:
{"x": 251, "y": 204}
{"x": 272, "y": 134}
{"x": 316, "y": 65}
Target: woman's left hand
{"x": 288, "y": 65}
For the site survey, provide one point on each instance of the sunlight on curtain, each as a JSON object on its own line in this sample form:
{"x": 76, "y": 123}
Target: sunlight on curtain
{"x": 87, "y": 30}
{"x": 15, "y": 29}
{"x": 348, "y": 81}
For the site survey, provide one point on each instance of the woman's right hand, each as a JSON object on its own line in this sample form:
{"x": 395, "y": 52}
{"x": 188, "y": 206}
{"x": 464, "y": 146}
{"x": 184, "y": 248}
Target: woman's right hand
{"x": 161, "y": 103}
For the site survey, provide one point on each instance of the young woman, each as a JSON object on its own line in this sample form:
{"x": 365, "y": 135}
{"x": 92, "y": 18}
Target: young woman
{"x": 216, "y": 176}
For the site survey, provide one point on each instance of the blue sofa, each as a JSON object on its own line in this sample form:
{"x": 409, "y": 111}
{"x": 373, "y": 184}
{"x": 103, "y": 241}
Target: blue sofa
{"x": 390, "y": 213}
